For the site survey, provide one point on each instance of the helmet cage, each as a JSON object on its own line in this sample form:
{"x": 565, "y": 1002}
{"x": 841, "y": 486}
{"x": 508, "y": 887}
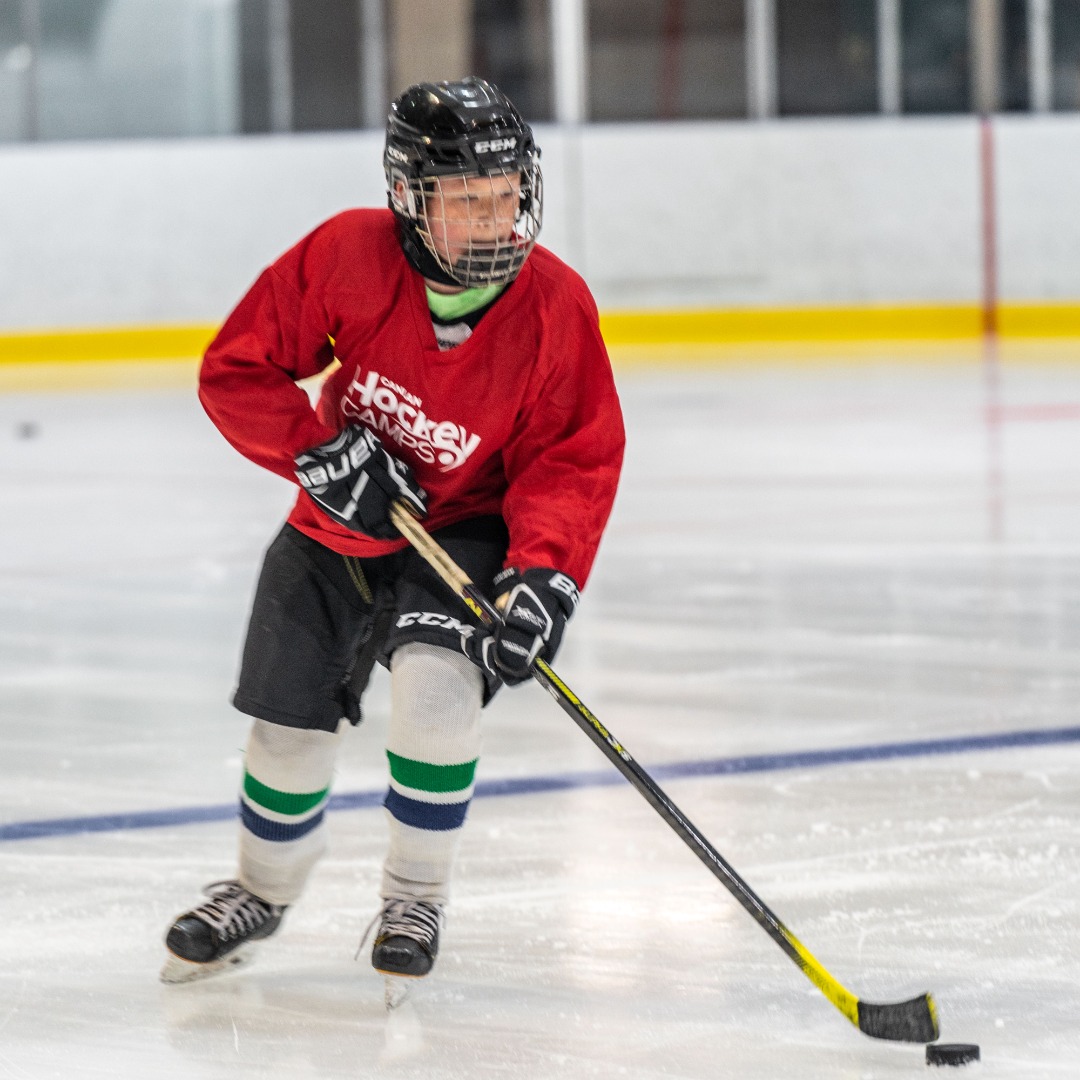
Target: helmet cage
{"x": 479, "y": 226}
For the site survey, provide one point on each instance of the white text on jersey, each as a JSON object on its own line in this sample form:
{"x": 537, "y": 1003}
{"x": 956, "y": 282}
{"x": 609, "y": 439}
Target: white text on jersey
{"x": 390, "y": 409}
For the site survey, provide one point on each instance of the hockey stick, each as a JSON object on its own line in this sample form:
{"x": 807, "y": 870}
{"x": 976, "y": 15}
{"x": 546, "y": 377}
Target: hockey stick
{"x": 912, "y": 1021}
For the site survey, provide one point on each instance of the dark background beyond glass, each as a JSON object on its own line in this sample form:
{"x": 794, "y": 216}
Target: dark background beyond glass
{"x": 325, "y": 38}
{"x": 1015, "y": 77}
{"x": 512, "y": 48}
{"x": 1066, "y": 63}
{"x": 666, "y": 59}
{"x": 826, "y": 57}
{"x": 936, "y": 62}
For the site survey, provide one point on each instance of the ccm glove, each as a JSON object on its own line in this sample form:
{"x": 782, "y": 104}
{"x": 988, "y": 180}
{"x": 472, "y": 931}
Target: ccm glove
{"x": 354, "y": 480}
{"x": 536, "y": 605}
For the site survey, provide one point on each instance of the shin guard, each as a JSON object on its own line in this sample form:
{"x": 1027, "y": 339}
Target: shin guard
{"x": 282, "y": 808}
{"x": 433, "y": 745}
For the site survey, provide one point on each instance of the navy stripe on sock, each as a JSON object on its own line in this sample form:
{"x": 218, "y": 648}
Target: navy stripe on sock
{"x": 281, "y": 831}
{"x": 439, "y": 817}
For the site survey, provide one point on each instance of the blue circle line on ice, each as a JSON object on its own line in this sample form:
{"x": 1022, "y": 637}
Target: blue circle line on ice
{"x": 532, "y": 785}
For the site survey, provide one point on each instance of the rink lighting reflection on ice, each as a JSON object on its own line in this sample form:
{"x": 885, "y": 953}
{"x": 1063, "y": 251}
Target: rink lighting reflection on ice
{"x": 531, "y": 785}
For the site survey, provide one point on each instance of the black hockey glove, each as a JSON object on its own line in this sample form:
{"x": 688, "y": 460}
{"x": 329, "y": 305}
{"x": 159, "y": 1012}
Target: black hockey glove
{"x": 354, "y": 480}
{"x": 536, "y": 606}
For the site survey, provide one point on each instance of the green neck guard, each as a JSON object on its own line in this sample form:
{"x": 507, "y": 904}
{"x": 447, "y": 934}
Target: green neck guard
{"x": 452, "y": 306}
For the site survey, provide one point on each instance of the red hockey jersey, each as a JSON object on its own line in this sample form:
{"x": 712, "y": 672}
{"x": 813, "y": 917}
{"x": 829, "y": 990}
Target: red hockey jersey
{"x": 521, "y": 419}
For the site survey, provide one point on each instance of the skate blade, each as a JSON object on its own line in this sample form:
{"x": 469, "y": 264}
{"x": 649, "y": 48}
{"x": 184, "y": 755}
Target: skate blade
{"x": 397, "y": 989}
{"x": 175, "y": 970}
{"x": 403, "y": 1035}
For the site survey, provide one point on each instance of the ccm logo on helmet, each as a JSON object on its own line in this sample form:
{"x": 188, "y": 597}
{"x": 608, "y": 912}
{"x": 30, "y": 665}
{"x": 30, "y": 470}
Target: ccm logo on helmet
{"x": 493, "y": 146}
{"x": 397, "y": 155}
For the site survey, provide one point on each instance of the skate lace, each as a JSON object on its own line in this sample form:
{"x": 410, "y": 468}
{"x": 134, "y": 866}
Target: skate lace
{"x": 232, "y": 910}
{"x": 414, "y": 919}
{"x": 410, "y": 918}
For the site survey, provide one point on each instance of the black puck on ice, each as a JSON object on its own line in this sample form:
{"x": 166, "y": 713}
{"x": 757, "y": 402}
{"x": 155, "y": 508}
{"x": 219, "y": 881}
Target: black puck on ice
{"x": 951, "y": 1053}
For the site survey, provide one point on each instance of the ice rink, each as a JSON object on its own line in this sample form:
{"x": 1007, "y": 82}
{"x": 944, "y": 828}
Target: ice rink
{"x": 836, "y": 615}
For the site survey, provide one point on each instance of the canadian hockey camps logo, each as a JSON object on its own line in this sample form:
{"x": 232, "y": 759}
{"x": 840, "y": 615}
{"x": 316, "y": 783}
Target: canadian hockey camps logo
{"x": 383, "y": 405}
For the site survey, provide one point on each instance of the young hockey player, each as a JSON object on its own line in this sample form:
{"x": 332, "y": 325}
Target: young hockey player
{"x": 474, "y": 386}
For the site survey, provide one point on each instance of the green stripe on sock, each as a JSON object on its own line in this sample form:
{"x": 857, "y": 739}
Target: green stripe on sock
{"x": 423, "y": 776}
{"x": 281, "y": 802}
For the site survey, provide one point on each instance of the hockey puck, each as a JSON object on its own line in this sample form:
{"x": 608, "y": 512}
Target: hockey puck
{"x": 951, "y": 1053}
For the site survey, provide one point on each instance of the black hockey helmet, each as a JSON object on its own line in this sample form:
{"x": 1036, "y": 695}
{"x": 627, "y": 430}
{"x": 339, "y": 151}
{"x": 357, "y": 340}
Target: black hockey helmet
{"x": 463, "y": 177}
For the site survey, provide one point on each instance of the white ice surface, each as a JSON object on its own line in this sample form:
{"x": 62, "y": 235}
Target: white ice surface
{"x": 801, "y": 558}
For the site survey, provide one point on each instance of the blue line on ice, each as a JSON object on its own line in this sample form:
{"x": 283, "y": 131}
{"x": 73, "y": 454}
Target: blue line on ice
{"x": 531, "y": 785}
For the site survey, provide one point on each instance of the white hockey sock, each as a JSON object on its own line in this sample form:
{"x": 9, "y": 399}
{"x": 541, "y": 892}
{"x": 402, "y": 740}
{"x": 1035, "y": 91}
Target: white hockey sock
{"x": 282, "y": 806}
{"x": 433, "y": 744}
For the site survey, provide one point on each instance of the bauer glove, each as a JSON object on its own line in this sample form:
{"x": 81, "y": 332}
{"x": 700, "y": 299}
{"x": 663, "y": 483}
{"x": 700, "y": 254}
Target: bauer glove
{"x": 536, "y": 605}
{"x": 354, "y": 480}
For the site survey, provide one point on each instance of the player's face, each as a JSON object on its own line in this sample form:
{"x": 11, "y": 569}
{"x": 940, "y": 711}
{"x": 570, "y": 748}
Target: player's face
{"x": 469, "y": 215}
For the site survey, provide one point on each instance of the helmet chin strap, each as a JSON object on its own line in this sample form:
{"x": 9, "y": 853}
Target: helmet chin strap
{"x": 418, "y": 255}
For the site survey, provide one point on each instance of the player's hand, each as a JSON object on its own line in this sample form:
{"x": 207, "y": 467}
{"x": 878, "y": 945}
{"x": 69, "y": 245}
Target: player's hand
{"x": 536, "y": 606}
{"x": 354, "y": 480}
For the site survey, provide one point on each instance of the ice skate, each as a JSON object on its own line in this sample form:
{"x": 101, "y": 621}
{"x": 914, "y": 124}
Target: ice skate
{"x": 407, "y": 940}
{"x": 219, "y": 935}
